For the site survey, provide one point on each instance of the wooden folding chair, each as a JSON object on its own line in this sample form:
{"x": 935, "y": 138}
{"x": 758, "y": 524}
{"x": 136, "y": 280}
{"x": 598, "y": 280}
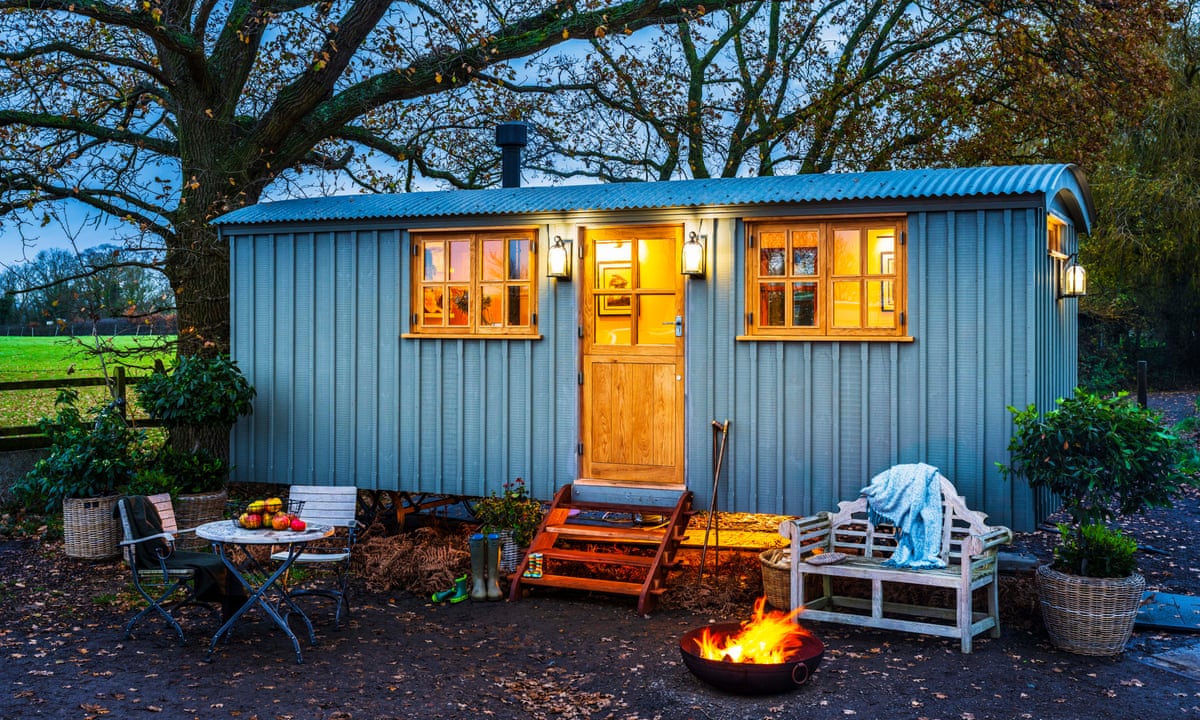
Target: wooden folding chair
{"x": 156, "y": 582}
{"x": 336, "y": 506}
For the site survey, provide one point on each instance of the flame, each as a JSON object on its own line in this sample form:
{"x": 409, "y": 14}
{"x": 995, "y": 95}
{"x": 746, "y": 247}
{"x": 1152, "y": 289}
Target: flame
{"x": 768, "y": 638}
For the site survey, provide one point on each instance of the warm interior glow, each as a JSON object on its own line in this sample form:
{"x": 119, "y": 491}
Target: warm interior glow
{"x": 769, "y": 638}
{"x": 558, "y": 260}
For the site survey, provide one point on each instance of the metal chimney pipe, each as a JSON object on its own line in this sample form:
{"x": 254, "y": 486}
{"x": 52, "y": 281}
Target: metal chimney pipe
{"x": 510, "y": 138}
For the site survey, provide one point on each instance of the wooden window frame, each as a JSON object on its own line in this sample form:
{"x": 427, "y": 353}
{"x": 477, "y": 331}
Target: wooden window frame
{"x": 1056, "y": 237}
{"x": 476, "y": 238}
{"x": 826, "y": 228}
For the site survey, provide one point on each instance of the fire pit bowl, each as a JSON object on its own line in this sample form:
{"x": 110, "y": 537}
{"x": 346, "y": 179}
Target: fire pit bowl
{"x": 751, "y": 678}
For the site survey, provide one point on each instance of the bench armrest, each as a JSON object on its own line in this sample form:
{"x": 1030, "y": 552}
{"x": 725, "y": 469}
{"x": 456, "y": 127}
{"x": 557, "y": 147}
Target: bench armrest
{"x": 986, "y": 544}
{"x": 808, "y": 533}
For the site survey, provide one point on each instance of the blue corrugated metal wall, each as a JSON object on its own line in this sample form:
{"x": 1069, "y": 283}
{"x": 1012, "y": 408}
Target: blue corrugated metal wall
{"x": 344, "y": 400}
{"x": 812, "y": 422}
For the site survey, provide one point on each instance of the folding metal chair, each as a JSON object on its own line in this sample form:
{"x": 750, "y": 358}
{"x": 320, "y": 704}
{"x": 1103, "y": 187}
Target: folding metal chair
{"x": 336, "y": 506}
{"x": 152, "y": 578}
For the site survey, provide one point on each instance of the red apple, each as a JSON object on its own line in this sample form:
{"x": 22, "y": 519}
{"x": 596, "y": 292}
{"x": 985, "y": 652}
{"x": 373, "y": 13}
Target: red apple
{"x": 279, "y": 521}
{"x": 298, "y": 524}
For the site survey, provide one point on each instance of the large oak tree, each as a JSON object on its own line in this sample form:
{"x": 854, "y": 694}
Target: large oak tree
{"x": 166, "y": 113}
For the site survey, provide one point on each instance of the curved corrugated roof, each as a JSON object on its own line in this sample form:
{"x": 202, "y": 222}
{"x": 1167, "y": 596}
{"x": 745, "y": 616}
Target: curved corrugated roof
{"x": 892, "y": 184}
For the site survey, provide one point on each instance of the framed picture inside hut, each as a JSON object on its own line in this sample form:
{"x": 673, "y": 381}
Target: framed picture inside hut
{"x": 615, "y": 277}
{"x": 887, "y": 266}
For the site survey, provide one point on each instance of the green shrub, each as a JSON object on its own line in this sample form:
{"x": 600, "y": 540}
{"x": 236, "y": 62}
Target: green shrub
{"x": 152, "y": 481}
{"x": 1101, "y": 456}
{"x": 198, "y": 471}
{"x": 87, "y": 458}
{"x": 1095, "y": 551}
{"x": 199, "y": 391}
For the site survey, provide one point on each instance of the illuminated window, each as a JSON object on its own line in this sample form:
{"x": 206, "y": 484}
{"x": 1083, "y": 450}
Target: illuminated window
{"x": 474, "y": 283}
{"x": 825, "y": 279}
{"x": 1055, "y": 229}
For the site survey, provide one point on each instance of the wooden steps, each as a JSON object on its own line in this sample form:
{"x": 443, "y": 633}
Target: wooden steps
{"x": 608, "y": 545}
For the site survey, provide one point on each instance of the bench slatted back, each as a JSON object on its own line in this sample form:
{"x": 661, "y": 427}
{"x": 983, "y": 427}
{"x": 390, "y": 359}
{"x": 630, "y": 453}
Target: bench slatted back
{"x": 854, "y": 534}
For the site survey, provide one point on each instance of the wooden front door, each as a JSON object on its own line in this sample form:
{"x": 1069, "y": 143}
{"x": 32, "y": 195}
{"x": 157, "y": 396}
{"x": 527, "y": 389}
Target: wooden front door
{"x": 633, "y": 372}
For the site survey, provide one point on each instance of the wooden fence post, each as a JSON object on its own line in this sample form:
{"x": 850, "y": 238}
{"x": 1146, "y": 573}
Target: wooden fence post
{"x": 119, "y": 390}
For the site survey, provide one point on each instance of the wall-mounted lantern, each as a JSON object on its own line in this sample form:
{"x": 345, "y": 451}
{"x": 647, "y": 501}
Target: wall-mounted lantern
{"x": 692, "y": 257}
{"x": 1073, "y": 282}
{"x": 558, "y": 260}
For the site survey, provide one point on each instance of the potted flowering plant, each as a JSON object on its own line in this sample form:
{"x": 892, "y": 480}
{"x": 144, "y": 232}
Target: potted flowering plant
{"x": 1102, "y": 457}
{"x": 513, "y": 510}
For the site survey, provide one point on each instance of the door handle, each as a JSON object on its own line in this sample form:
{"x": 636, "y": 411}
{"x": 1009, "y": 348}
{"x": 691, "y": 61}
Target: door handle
{"x": 678, "y": 323}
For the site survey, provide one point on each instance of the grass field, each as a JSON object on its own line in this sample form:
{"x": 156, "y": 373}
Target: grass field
{"x": 25, "y": 358}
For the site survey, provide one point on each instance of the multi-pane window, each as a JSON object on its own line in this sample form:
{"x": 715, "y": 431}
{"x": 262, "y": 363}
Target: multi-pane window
{"x": 825, "y": 279}
{"x": 474, "y": 283}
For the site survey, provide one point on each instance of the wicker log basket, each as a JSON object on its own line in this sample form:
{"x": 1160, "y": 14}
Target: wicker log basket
{"x": 90, "y": 532}
{"x": 1089, "y": 616}
{"x": 194, "y": 510}
{"x": 777, "y": 577}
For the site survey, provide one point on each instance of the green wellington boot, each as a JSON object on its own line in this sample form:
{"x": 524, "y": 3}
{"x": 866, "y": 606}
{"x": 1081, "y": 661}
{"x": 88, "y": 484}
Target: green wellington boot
{"x": 493, "y": 571}
{"x": 478, "y": 566}
{"x": 460, "y": 590}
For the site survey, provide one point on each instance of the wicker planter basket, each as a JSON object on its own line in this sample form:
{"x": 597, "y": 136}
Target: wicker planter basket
{"x": 90, "y": 532}
{"x": 777, "y": 577}
{"x": 194, "y": 510}
{"x": 1088, "y": 616}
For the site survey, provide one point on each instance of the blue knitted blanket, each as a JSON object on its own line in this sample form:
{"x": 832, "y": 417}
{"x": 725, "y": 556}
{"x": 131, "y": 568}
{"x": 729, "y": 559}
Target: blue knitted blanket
{"x": 910, "y": 498}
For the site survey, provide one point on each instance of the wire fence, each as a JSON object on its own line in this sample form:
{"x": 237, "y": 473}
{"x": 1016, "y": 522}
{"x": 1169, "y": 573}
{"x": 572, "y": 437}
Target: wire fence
{"x": 158, "y": 325}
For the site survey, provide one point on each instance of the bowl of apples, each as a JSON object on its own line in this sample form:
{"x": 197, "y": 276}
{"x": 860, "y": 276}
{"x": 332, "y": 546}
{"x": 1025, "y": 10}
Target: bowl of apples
{"x": 271, "y": 514}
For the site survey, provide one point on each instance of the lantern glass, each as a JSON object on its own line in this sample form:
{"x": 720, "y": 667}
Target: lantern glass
{"x": 558, "y": 260}
{"x": 1074, "y": 281}
{"x": 692, "y": 258}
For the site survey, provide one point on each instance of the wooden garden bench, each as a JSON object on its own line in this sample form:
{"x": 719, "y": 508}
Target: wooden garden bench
{"x": 969, "y": 547}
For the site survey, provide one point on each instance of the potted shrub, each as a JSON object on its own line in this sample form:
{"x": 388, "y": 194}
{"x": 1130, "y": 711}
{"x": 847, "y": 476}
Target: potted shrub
{"x": 512, "y": 514}
{"x": 1102, "y": 457}
{"x": 89, "y": 460}
{"x": 196, "y": 482}
{"x": 198, "y": 402}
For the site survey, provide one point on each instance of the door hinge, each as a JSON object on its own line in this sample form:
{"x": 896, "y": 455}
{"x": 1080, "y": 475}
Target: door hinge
{"x": 903, "y": 237}
{"x": 580, "y": 449}
{"x": 533, "y": 247}
{"x": 414, "y": 319}
{"x": 580, "y": 378}
{"x": 535, "y": 318}
{"x": 749, "y": 319}
{"x": 903, "y": 318}
{"x": 750, "y": 240}
{"x": 416, "y": 249}
{"x": 580, "y": 331}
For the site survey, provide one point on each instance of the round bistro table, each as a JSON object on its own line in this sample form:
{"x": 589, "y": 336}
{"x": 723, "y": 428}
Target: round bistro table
{"x": 225, "y": 533}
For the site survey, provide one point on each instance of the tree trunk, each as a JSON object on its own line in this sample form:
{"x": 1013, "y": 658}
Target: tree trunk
{"x": 198, "y": 266}
{"x": 190, "y": 438}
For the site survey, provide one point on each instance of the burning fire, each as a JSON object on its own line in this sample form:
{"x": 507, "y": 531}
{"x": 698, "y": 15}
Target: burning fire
{"x": 769, "y": 638}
